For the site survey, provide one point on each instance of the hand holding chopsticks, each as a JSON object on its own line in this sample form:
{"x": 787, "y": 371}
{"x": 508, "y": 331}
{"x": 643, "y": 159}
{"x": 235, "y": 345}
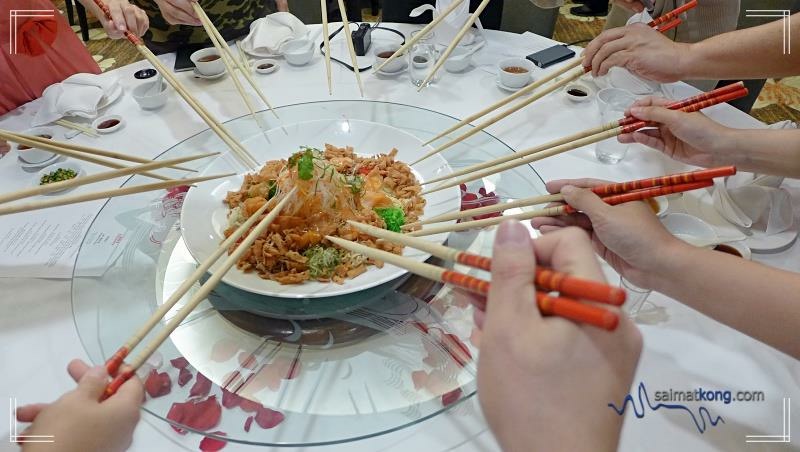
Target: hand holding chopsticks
{"x": 612, "y": 194}
{"x": 624, "y": 126}
{"x": 196, "y": 299}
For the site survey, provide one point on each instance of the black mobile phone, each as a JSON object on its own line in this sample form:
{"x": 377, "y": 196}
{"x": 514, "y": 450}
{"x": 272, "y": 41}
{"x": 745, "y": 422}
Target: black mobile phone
{"x": 182, "y": 60}
{"x": 551, "y": 56}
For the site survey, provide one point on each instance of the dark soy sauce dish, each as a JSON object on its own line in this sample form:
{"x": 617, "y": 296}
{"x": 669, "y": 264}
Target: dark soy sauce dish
{"x": 265, "y": 66}
{"x": 108, "y": 123}
{"x": 145, "y": 74}
{"x": 386, "y": 54}
{"x": 208, "y": 58}
{"x": 577, "y": 92}
{"x": 515, "y": 70}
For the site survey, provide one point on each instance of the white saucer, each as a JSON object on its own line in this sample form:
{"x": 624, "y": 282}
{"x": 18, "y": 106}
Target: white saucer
{"x": 47, "y": 162}
{"x": 508, "y": 88}
{"x": 197, "y": 74}
{"x": 392, "y": 74}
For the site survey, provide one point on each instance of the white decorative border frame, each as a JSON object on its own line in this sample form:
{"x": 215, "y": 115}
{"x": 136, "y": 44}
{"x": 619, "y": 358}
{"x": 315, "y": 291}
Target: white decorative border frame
{"x": 14, "y": 14}
{"x": 786, "y": 437}
{"x": 13, "y": 436}
{"x": 787, "y": 24}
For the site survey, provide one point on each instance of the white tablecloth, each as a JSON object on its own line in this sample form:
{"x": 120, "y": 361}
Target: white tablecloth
{"x": 685, "y": 350}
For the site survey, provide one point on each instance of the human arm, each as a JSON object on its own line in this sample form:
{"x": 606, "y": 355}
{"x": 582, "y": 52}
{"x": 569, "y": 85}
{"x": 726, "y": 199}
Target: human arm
{"x": 752, "y": 298}
{"x": 631, "y": 5}
{"x": 532, "y": 369}
{"x": 179, "y": 12}
{"x": 79, "y": 422}
{"x": 282, "y": 5}
{"x": 695, "y": 139}
{"x": 750, "y": 53}
{"x": 126, "y": 17}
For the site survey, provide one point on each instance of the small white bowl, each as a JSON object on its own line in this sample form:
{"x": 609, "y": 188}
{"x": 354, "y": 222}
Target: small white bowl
{"x": 98, "y": 124}
{"x": 298, "y": 52}
{"x": 37, "y": 180}
{"x": 459, "y": 60}
{"x": 151, "y": 101}
{"x": 266, "y": 70}
{"x": 690, "y": 229}
{"x": 515, "y": 79}
{"x": 397, "y": 65}
{"x": 212, "y": 67}
{"x": 571, "y": 93}
{"x": 32, "y": 154}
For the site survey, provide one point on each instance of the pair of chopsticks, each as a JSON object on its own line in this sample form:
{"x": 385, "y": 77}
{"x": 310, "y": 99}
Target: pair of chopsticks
{"x": 667, "y": 185}
{"x": 348, "y": 36}
{"x": 79, "y": 127}
{"x": 546, "y": 280}
{"x": 231, "y": 62}
{"x": 611, "y": 130}
{"x": 602, "y": 190}
{"x": 84, "y": 180}
{"x": 218, "y": 128}
{"x": 117, "y": 359}
{"x": 670, "y": 17}
{"x": 85, "y": 153}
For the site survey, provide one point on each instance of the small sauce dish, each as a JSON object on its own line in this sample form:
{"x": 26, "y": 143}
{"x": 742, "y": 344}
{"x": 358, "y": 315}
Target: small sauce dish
{"x": 578, "y": 93}
{"x": 108, "y": 124}
{"x": 266, "y": 66}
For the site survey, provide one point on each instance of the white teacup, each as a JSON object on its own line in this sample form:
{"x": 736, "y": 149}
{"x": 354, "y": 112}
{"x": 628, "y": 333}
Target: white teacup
{"x": 298, "y": 52}
{"x": 206, "y": 63}
{"x": 515, "y": 72}
{"x": 30, "y": 154}
{"x": 383, "y": 52}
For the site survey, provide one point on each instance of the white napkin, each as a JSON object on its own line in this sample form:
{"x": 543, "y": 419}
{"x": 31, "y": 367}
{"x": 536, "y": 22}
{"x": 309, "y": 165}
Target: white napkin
{"x": 447, "y": 29}
{"x": 753, "y": 201}
{"x": 269, "y": 34}
{"x": 78, "y": 95}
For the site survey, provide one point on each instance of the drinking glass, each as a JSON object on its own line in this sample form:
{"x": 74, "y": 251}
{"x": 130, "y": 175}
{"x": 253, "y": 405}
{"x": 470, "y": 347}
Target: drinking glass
{"x": 612, "y": 103}
{"x": 636, "y": 297}
{"x": 421, "y": 60}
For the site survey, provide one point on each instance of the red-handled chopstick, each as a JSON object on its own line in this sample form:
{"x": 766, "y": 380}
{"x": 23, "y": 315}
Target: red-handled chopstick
{"x": 727, "y": 89}
{"x": 672, "y": 179}
{"x": 548, "y": 305}
{"x": 641, "y": 195}
{"x": 669, "y": 25}
{"x": 672, "y": 14}
{"x": 545, "y": 279}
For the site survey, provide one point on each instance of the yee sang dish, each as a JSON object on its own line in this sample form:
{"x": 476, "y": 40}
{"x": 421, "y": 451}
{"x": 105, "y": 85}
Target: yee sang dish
{"x": 334, "y": 185}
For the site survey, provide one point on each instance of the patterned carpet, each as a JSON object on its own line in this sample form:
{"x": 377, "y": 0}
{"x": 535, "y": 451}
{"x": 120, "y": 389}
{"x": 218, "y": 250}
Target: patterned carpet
{"x": 779, "y": 100}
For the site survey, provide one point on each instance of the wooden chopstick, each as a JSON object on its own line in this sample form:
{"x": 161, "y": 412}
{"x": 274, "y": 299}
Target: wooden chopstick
{"x": 602, "y": 190}
{"x": 672, "y": 14}
{"x": 669, "y": 25}
{"x": 348, "y": 37}
{"x": 570, "y": 77}
{"x": 420, "y": 34}
{"x": 326, "y": 39}
{"x": 464, "y": 29}
{"x": 223, "y": 134}
{"x": 545, "y": 279}
{"x": 93, "y": 151}
{"x": 243, "y": 67}
{"x": 227, "y": 59}
{"x": 84, "y": 180}
{"x": 75, "y": 126}
{"x": 540, "y": 155}
{"x": 115, "y": 361}
{"x": 62, "y": 201}
{"x": 563, "y": 210}
{"x": 516, "y": 95}
{"x": 524, "y": 91}
{"x": 61, "y": 150}
{"x": 198, "y": 297}
{"x": 548, "y": 305}
{"x": 623, "y": 122}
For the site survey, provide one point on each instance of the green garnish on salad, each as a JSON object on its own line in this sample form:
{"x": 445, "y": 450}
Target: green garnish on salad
{"x": 394, "y": 217}
{"x": 322, "y": 261}
{"x": 58, "y": 175}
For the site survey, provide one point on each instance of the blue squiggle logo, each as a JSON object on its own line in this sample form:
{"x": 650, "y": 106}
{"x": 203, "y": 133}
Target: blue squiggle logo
{"x": 639, "y": 411}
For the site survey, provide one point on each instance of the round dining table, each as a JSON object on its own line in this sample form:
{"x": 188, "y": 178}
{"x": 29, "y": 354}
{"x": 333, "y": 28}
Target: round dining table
{"x": 43, "y": 323}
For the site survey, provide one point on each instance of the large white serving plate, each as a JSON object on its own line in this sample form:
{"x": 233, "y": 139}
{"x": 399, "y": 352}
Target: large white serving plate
{"x": 204, "y": 215}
